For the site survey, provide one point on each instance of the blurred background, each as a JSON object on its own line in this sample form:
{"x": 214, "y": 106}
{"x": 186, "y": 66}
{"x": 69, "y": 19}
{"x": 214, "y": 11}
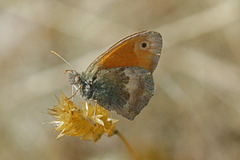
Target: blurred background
{"x": 195, "y": 113}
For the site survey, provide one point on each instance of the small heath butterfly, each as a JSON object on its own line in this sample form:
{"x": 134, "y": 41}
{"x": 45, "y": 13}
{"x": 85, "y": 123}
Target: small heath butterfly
{"x": 121, "y": 78}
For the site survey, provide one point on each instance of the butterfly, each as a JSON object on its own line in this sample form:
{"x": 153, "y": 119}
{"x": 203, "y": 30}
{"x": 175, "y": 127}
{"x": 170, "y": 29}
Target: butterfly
{"x": 121, "y": 78}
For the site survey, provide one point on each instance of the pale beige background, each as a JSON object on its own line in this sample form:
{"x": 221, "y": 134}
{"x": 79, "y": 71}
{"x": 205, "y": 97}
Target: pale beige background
{"x": 195, "y": 113}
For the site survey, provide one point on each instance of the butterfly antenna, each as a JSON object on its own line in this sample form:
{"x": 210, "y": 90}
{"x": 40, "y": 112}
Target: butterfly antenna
{"x": 64, "y": 60}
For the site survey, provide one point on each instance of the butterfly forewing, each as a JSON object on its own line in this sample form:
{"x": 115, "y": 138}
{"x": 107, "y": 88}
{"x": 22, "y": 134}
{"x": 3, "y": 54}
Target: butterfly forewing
{"x": 131, "y": 52}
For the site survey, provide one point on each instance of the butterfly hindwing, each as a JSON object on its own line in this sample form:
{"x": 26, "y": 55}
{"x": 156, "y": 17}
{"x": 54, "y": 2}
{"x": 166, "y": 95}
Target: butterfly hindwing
{"x": 127, "y": 90}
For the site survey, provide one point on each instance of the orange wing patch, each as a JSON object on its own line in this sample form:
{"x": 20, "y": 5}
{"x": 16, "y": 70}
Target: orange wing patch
{"x": 138, "y": 50}
{"x": 121, "y": 56}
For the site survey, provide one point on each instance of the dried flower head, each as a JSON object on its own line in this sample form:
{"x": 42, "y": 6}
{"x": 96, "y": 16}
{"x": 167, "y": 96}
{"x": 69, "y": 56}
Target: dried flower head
{"x": 87, "y": 122}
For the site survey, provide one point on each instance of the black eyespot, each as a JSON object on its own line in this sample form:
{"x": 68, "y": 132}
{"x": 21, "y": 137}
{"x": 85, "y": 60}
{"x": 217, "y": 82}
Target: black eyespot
{"x": 144, "y": 45}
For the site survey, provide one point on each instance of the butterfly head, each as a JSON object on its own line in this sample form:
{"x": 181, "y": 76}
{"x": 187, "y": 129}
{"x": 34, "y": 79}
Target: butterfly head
{"x": 76, "y": 78}
{"x": 79, "y": 80}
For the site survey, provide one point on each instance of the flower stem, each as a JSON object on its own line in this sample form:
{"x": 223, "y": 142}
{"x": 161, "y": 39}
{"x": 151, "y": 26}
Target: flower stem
{"x": 136, "y": 157}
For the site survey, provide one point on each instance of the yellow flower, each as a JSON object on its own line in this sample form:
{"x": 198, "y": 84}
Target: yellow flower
{"x": 88, "y": 122}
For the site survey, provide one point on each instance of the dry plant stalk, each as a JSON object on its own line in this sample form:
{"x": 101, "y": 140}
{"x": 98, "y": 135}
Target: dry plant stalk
{"x": 87, "y": 122}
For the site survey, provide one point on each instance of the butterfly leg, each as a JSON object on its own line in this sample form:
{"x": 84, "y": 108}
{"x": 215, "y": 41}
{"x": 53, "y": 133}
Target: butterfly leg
{"x": 74, "y": 93}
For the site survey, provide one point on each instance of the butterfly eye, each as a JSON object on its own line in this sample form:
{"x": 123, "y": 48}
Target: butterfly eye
{"x": 77, "y": 79}
{"x": 144, "y": 45}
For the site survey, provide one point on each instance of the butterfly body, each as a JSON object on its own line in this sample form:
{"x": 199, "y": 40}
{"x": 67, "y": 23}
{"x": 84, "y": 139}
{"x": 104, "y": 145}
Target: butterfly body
{"x": 121, "y": 78}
